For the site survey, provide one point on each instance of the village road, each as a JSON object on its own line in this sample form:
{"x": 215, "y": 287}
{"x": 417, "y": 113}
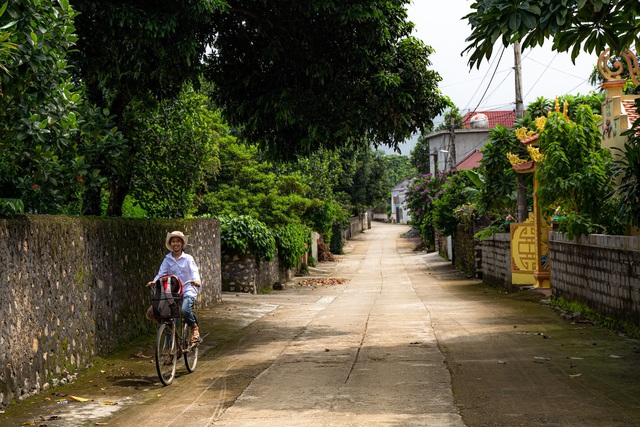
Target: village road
{"x": 407, "y": 340}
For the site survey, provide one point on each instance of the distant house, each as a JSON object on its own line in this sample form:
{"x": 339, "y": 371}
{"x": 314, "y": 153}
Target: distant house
{"x": 399, "y": 211}
{"x": 468, "y": 141}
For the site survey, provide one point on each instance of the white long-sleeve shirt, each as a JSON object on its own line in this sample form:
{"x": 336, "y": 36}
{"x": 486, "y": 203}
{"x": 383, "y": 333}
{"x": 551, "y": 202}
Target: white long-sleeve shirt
{"x": 184, "y": 268}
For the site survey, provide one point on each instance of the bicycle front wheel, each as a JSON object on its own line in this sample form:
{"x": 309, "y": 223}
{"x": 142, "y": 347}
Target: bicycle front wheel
{"x": 190, "y": 349}
{"x": 166, "y": 354}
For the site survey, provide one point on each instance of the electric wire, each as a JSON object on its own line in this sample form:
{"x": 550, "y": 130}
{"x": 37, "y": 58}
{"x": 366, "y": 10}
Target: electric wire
{"x": 555, "y": 69}
{"x": 489, "y": 85}
{"x": 541, "y": 74}
{"x": 490, "y": 81}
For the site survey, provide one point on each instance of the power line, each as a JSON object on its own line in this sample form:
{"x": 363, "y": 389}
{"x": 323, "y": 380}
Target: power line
{"x": 579, "y": 84}
{"x": 555, "y": 69}
{"x": 541, "y": 74}
{"x": 490, "y": 81}
{"x": 498, "y": 87}
{"x": 484, "y": 77}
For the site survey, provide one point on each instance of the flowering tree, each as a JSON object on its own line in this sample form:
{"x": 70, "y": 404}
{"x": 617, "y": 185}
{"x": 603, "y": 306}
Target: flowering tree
{"x": 421, "y": 193}
{"x": 448, "y": 201}
{"x": 576, "y": 175}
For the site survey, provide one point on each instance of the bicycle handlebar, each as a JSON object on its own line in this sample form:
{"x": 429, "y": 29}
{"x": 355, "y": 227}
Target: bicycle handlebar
{"x": 149, "y": 284}
{"x": 192, "y": 283}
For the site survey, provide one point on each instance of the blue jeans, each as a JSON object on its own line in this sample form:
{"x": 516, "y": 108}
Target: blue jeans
{"x": 187, "y": 314}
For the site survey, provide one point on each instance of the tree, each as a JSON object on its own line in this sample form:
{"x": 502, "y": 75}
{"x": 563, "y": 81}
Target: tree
{"x": 627, "y": 169}
{"x": 139, "y": 52}
{"x": 452, "y": 196}
{"x": 292, "y": 77}
{"x": 40, "y": 113}
{"x": 421, "y": 156}
{"x": 167, "y": 174}
{"x": 576, "y": 175}
{"x": 420, "y": 196}
{"x": 298, "y": 76}
{"x": 451, "y": 118}
{"x": 497, "y": 197}
{"x": 540, "y": 107}
{"x": 320, "y": 172}
{"x": 365, "y": 180}
{"x": 396, "y": 169}
{"x": 591, "y": 24}
{"x": 6, "y": 46}
{"x": 247, "y": 185}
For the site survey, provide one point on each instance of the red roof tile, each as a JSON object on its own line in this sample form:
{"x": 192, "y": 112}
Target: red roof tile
{"x": 503, "y": 118}
{"x": 471, "y": 161}
{"x": 632, "y": 113}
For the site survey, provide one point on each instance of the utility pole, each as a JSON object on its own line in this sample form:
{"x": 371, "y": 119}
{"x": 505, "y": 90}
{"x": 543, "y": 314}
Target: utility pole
{"x": 522, "y": 186}
{"x": 518, "y": 74}
{"x": 433, "y": 171}
{"x": 452, "y": 154}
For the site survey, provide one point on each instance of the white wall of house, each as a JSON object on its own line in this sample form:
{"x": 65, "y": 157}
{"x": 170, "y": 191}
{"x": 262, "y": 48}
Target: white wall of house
{"x": 399, "y": 211}
{"x": 466, "y": 140}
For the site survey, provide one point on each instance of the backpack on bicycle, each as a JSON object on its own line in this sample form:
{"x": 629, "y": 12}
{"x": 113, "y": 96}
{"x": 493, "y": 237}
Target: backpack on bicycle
{"x": 167, "y": 297}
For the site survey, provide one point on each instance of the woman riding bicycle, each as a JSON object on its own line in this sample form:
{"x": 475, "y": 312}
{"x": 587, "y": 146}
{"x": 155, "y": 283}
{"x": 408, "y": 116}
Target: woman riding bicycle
{"x": 183, "y": 266}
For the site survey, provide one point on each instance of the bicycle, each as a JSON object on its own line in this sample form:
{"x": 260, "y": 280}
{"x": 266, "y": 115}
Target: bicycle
{"x": 174, "y": 339}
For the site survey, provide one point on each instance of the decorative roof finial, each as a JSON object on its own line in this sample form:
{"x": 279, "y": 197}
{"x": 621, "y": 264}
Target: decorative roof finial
{"x": 616, "y": 73}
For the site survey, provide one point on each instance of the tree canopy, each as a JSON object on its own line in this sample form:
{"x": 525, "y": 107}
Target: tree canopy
{"x": 40, "y": 110}
{"x": 291, "y": 77}
{"x": 298, "y": 76}
{"x": 592, "y": 25}
{"x": 575, "y": 175}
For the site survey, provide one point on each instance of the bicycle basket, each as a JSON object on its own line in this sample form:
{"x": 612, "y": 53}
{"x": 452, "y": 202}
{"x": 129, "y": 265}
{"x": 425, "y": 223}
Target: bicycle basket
{"x": 167, "y": 297}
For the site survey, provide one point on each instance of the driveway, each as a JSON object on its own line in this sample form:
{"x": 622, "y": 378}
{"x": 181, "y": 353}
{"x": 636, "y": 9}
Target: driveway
{"x": 403, "y": 340}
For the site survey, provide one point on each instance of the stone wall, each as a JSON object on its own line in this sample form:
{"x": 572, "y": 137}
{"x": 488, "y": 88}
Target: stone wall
{"x": 599, "y": 271}
{"x": 464, "y": 254}
{"x": 357, "y": 225}
{"x": 74, "y": 288}
{"x": 243, "y": 273}
{"x": 602, "y": 272}
{"x": 493, "y": 260}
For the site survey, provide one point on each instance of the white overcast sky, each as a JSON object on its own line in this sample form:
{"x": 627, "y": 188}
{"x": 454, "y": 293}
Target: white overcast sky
{"x": 544, "y": 72}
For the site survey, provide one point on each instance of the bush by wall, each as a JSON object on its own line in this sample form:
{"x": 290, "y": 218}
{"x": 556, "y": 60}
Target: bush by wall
{"x": 336, "y": 243}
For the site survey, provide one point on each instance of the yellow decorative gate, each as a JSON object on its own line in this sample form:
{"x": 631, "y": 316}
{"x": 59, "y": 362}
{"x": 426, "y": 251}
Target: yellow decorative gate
{"x": 530, "y": 256}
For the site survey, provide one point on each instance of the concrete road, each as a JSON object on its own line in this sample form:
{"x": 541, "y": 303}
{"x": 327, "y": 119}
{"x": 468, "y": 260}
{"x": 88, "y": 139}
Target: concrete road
{"x": 365, "y": 355}
{"x": 406, "y": 341}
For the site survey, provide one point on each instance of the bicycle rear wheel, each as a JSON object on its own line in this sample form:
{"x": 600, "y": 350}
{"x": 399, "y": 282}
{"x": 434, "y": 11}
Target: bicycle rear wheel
{"x": 191, "y": 349}
{"x": 166, "y": 354}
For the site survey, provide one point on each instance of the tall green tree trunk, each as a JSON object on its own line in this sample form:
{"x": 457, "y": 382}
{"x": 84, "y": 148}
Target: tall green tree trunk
{"x": 91, "y": 202}
{"x": 119, "y": 189}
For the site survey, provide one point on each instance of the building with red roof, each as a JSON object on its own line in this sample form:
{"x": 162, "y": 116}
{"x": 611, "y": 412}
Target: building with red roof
{"x": 468, "y": 141}
{"x": 502, "y": 118}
